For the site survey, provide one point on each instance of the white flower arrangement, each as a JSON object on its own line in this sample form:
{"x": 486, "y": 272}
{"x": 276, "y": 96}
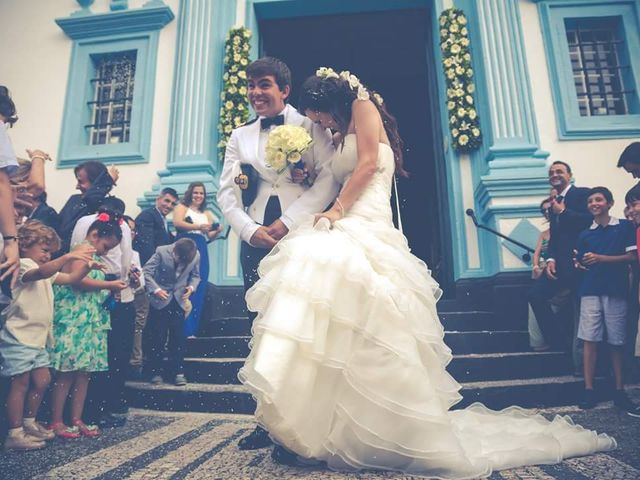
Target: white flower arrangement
{"x": 234, "y": 109}
{"x": 463, "y": 117}
{"x": 285, "y": 146}
{"x": 354, "y": 83}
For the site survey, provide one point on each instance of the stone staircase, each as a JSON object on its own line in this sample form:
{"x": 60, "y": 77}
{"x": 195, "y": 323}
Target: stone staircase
{"x": 492, "y": 361}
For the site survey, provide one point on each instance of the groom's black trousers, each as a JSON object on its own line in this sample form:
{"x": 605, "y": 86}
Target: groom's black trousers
{"x": 250, "y": 257}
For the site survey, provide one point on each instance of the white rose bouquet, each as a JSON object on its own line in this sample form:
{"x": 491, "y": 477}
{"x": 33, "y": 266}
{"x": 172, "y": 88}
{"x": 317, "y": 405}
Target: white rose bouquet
{"x": 286, "y": 145}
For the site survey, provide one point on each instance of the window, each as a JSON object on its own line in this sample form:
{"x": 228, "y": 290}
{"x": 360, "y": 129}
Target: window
{"x": 600, "y": 67}
{"x": 112, "y": 99}
{"x": 593, "y": 53}
{"x": 109, "y": 103}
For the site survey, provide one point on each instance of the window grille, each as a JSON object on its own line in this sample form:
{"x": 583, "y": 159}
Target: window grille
{"x": 601, "y": 70}
{"x": 112, "y": 99}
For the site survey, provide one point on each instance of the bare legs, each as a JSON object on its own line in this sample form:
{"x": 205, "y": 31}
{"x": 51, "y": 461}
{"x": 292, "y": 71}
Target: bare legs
{"x": 75, "y": 382}
{"x": 26, "y": 390}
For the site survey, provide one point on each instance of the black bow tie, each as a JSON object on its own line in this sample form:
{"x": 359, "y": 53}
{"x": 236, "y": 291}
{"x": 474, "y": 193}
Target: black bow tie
{"x": 267, "y": 122}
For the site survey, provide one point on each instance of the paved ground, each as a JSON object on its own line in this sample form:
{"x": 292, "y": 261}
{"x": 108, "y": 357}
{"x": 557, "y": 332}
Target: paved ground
{"x": 167, "y": 445}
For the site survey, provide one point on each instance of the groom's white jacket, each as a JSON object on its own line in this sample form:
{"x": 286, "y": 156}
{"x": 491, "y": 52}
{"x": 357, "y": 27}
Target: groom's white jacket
{"x": 297, "y": 201}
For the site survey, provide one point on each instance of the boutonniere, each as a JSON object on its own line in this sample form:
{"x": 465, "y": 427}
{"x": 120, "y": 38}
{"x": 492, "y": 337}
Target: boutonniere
{"x": 242, "y": 181}
{"x": 247, "y": 180}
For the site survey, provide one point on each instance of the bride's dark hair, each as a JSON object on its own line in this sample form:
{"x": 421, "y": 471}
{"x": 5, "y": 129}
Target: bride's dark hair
{"x": 335, "y": 97}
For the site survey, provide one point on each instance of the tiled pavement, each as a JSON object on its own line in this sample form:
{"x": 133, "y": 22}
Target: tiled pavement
{"x": 199, "y": 446}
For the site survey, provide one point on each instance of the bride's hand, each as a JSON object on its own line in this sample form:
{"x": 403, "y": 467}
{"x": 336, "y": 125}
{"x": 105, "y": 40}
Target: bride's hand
{"x": 332, "y": 215}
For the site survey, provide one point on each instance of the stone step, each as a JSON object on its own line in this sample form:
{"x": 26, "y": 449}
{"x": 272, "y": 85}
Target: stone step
{"x": 476, "y": 320}
{"x": 464, "y": 368}
{"x": 224, "y": 302}
{"x": 487, "y": 341}
{"x": 528, "y": 393}
{"x": 211, "y": 347}
{"x": 471, "y": 321}
{"x": 459, "y": 342}
{"x": 508, "y": 366}
{"x": 194, "y": 397}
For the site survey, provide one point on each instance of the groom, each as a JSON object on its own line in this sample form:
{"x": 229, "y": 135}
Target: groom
{"x": 280, "y": 203}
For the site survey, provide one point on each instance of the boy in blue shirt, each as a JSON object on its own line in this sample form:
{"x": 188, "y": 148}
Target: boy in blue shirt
{"x": 604, "y": 251}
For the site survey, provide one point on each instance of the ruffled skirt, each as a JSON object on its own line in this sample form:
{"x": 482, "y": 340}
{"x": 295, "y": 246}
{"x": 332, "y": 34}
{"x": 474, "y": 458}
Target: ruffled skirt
{"x": 348, "y": 364}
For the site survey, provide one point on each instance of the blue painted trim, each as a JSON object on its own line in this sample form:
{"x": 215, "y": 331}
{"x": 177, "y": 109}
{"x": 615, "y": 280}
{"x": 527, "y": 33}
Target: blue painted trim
{"x": 571, "y": 125}
{"x": 510, "y": 162}
{"x": 74, "y": 137}
{"x": 195, "y": 108}
{"x": 258, "y": 9}
{"x": 122, "y": 22}
{"x": 95, "y": 35}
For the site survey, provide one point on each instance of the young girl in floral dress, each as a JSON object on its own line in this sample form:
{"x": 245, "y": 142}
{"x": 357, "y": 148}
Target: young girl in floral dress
{"x": 80, "y": 327}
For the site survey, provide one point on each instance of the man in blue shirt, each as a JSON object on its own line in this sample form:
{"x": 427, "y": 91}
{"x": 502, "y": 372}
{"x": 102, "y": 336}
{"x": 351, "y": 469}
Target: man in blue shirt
{"x": 604, "y": 252}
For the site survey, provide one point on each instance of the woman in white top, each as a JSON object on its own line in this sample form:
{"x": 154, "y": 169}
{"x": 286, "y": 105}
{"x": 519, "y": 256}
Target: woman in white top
{"x": 192, "y": 220}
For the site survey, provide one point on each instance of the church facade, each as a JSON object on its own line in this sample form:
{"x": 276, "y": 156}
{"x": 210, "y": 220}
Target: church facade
{"x": 554, "y": 80}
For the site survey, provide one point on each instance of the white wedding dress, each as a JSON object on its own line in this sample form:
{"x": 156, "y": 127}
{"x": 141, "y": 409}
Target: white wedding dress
{"x": 347, "y": 361}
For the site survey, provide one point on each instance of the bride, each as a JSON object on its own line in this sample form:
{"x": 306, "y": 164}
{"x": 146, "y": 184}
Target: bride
{"x": 348, "y": 362}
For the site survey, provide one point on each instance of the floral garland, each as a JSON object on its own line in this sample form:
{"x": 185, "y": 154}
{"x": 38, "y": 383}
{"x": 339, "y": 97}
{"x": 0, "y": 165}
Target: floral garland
{"x": 234, "y": 110}
{"x": 463, "y": 117}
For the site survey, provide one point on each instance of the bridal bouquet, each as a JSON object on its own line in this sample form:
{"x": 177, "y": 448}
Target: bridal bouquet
{"x": 286, "y": 145}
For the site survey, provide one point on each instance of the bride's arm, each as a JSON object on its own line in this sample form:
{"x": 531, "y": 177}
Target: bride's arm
{"x": 367, "y": 126}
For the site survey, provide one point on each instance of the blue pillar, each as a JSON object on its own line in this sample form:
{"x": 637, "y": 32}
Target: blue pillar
{"x": 510, "y": 173}
{"x": 193, "y": 136}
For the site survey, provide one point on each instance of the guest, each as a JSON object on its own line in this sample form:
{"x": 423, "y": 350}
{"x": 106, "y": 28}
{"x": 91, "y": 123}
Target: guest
{"x": 140, "y": 302}
{"x": 94, "y": 182}
{"x": 604, "y": 252}
{"x": 630, "y": 159}
{"x": 80, "y": 327}
{"x": 151, "y": 225}
{"x": 108, "y": 390}
{"x": 10, "y": 258}
{"x": 194, "y": 221}
{"x": 152, "y": 231}
{"x": 632, "y": 199}
{"x": 171, "y": 276}
{"x": 567, "y": 218}
{"x": 27, "y": 329}
{"x": 536, "y": 339}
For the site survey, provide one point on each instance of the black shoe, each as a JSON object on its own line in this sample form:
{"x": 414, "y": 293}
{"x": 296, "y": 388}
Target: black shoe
{"x": 111, "y": 421}
{"x": 588, "y": 400}
{"x": 284, "y": 457}
{"x": 622, "y": 401}
{"x": 259, "y": 438}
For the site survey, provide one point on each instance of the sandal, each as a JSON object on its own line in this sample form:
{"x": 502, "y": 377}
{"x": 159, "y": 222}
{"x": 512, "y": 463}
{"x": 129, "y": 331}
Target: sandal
{"x": 86, "y": 430}
{"x": 63, "y": 431}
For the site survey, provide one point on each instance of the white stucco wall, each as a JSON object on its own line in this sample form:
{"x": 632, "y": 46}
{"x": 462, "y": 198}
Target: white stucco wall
{"x": 593, "y": 161}
{"x": 35, "y": 56}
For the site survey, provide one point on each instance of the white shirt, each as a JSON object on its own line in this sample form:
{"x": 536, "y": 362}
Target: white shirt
{"x": 117, "y": 260}
{"x": 7, "y": 153}
{"x": 29, "y": 316}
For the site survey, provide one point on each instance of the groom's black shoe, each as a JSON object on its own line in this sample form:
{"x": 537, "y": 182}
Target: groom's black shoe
{"x": 285, "y": 457}
{"x": 259, "y": 438}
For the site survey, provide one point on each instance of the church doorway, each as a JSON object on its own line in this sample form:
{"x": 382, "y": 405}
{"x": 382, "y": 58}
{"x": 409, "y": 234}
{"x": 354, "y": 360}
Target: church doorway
{"x": 392, "y": 53}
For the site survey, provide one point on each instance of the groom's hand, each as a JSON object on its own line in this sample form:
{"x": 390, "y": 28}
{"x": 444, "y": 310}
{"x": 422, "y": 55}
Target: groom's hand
{"x": 277, "y": 230}
{"x": 262, "y": 239}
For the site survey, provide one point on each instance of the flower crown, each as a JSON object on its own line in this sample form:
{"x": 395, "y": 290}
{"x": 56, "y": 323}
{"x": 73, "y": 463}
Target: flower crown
{"x": 352, "y": 80}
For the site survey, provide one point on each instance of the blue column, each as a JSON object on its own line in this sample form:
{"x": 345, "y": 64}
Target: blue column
{"x": 510, "y": 165}
{"x": 193, "y": 136}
